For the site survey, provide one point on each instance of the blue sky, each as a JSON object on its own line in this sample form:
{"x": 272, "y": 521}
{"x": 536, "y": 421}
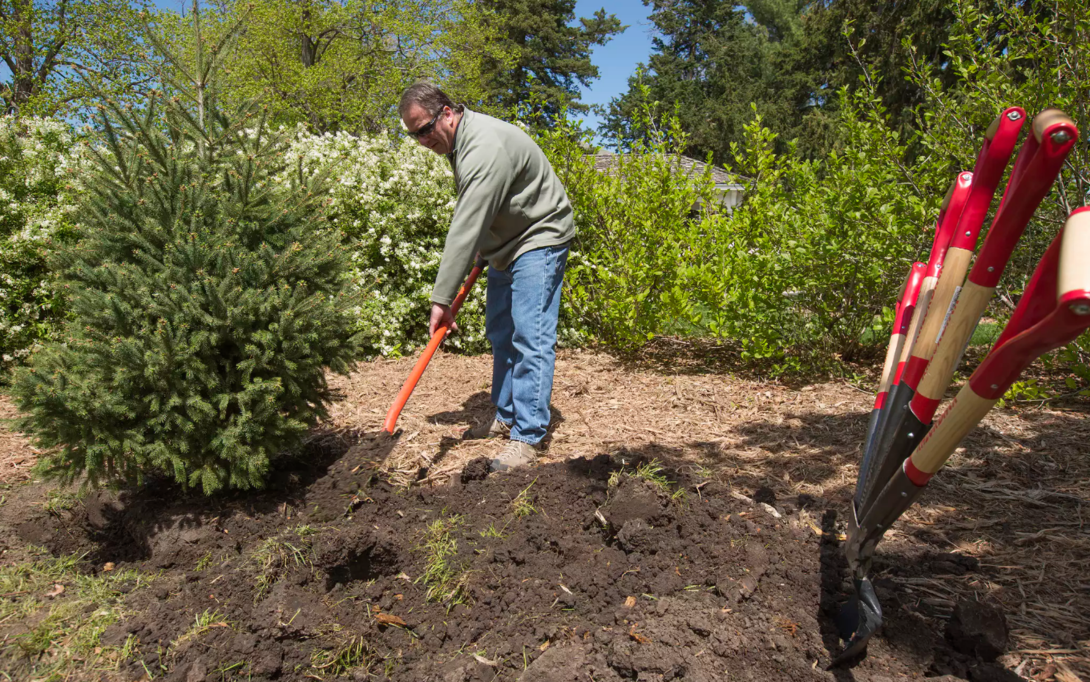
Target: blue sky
{"x": 617, "y": 59}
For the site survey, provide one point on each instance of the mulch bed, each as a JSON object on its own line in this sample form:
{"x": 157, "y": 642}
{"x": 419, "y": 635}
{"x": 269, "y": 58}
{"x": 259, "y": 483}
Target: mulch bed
{"x": 578, "y": 568}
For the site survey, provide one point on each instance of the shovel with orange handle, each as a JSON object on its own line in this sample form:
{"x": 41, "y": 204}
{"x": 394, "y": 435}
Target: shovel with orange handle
{"x": 433, "y": 345}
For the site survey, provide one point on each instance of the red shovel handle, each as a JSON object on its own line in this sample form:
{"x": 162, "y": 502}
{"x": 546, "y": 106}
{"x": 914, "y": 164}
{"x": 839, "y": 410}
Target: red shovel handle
{"x": 1035, "y": 170}
{"x": 433, "y": 345}
{"x": 999, "y": 143}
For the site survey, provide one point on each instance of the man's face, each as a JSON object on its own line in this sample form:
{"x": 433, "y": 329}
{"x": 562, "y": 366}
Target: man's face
{"x": 436, "y": 132}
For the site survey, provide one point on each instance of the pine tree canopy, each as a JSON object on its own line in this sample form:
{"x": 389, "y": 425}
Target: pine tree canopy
{"x": 552, "y": 55}
{"x": 207, "y": 301}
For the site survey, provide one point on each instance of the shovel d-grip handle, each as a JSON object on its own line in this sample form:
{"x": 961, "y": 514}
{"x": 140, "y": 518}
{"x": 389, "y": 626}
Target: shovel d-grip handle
{"x": 1053, "y": 311}
{"x": 1035, "y": 170}
{"x": 390, "y": 424}
{"x": 949, "y": 214}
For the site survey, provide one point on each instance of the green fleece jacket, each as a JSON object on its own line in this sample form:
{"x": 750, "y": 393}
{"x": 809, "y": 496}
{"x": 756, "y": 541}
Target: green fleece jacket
{"x": 509, "y": 201}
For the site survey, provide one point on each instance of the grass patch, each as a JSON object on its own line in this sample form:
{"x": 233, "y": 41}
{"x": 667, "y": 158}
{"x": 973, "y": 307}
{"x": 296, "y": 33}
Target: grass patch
{"x": 493, "y": 532}
{"x": 352, "y": 655}
{"x": 210, "y": 619}
{"x": 57, "y": 501}
{"x": 523, "y": 504}
{"x": 654, "y": 473}
{"x": 444, "y": 580}
{"x": 64, "y": 638}
{"x": 275, "y": 555}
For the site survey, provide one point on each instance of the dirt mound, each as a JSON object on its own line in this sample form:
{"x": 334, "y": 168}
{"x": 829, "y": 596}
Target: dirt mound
{"x": 609, "y": 568}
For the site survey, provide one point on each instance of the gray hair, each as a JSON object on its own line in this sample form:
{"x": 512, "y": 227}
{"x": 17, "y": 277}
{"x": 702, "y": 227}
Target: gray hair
{"x": 428, "y": 97}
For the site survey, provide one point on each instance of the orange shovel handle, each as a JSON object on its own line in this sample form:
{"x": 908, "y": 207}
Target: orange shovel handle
{"x": 433, "y": 345}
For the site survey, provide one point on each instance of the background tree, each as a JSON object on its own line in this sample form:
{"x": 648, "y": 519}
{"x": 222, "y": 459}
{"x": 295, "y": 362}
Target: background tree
{"x": 789, "y": 58}
{"x": 713, "y": 60}
{"x": 342, "y": 65}
{"x": 552, "y": 55}
{"x": 59, "y": 52}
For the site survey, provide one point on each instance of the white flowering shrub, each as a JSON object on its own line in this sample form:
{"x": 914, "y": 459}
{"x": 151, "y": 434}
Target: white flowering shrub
{"x": 40, "y": 166}
{"x": 393, "y": 200}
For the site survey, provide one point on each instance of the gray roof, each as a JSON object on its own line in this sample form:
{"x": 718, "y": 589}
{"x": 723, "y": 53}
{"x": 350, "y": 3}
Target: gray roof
{"x": 604, "y": 161}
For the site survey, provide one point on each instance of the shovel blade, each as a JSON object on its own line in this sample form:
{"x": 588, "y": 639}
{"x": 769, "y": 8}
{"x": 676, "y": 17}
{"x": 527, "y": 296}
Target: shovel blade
{"x": 858, "y": 620}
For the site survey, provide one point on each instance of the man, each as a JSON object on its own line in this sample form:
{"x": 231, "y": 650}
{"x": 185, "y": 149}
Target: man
{"x": 514, "y": 211}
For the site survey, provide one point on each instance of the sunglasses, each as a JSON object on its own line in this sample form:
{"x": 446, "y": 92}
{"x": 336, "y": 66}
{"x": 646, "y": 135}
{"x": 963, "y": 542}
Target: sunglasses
{"x": 426, "y": 128}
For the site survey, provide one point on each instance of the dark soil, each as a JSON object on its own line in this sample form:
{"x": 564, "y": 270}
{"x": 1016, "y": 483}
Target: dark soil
{"x": 572, "y": 570}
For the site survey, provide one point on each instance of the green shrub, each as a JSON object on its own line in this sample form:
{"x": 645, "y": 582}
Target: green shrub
{"x": 633, "y": 222}
{"x": 206, "y": 303}
{"x": 798, "y": 273}
{"x": 393, "y": 200}
{"x": 39, "y": 178}
{"x": 793, "y": 278}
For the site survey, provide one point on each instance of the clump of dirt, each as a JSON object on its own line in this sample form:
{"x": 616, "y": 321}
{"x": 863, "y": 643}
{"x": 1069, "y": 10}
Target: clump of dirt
{"x": 606, "y": 568}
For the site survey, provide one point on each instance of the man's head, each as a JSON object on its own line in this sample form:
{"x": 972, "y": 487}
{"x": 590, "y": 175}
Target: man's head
{"x": 428, "y": 115}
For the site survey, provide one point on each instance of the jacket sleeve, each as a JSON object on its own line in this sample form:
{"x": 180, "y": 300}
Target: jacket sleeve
{"x": 485, "y": 178}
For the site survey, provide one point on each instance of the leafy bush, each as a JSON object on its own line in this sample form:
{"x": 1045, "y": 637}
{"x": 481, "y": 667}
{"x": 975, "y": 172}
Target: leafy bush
{"x": 797, "y": 274}
{"x": 632, "y": 221}
{"x": 393, "y": 200}
{"x": 792, "y": 278}
{"x": 206, "y": 303}
{"x": 39, "y": 179}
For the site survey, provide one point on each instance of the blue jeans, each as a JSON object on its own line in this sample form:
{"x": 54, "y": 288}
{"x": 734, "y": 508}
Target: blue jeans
{"x": 520, "y": 322}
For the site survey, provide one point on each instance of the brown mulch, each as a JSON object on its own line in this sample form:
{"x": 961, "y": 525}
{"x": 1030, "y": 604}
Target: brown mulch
{"x": 1013, "y": 497}
{"x": 17, "y": 457}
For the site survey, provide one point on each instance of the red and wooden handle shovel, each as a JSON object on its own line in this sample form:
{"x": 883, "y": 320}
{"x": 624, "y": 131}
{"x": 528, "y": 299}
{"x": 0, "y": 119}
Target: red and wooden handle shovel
{"x": 930, "y": 369}
{"x": 911, "y": 311}
{"x": 1053, "y": 311}
{"x": 433, "y": 345}
{"x": 999, "y": 143}
{"x": 949, "y": 217}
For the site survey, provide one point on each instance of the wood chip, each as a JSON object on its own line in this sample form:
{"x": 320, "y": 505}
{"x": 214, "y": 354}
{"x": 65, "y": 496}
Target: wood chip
{"x": 630, "y": 602}
{"x": 485, "y": 661}
{"x": 1066, "y": 674}
{"x": 388, "y": 619}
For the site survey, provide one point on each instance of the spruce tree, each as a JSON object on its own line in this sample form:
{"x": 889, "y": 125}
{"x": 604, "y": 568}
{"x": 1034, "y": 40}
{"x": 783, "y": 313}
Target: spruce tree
{"x": 207, "y": 298}
{"x": 552, "y": 53}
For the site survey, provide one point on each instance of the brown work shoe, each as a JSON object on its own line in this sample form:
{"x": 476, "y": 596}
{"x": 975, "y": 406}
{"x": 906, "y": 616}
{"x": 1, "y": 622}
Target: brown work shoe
{"x": 514, "y": 455}
{"x": 492, "y": 429}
